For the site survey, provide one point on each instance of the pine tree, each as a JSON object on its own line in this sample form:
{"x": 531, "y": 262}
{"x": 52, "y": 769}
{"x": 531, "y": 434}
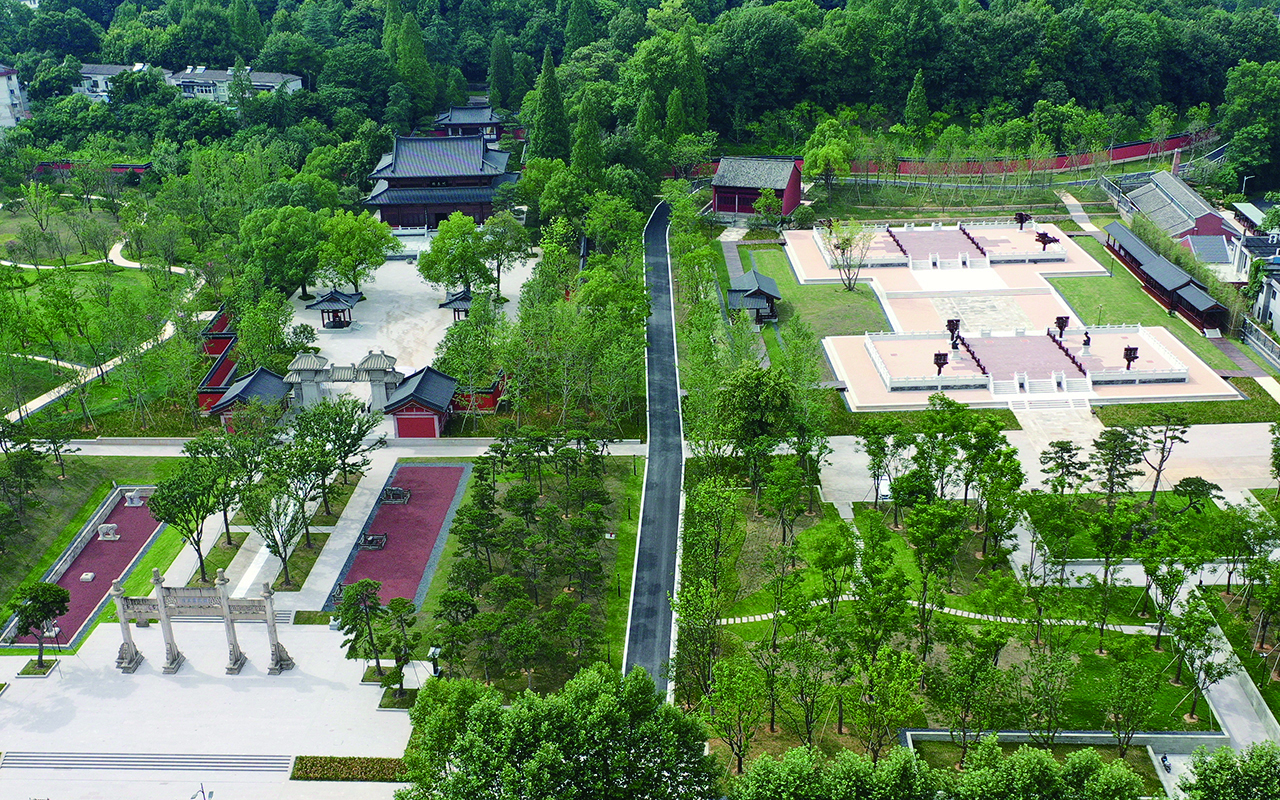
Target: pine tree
{"x": 501, "y": 71}
{"x": 647, "y": 117}
{"x": 579, "y": 31}
{"x": 677, "y": 122}
{"x": 413, "y": 68}
{"x": 243, "y": 15}
{"x": 917, "y": 113}
{"x": 391, "y": 22}
{"x": 550, "y": 135}
{"x": 588, "y": 151}
{"x": 522, "y": 68}
{"x": 692, "y": 79}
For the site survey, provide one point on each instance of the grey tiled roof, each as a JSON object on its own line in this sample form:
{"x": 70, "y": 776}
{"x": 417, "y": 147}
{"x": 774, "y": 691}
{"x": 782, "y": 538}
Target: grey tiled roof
{"x": 441, "y": 157}
{"x": 468, "y": 115}
{"x": 342, "y": 373}
{"x": 1170, "y": 203}
{"x": 223, "y": 75}
{"x": 443, "y": 195}
{"x": 754, "y": 172}
{"x": 737, "y": 299}
{"x": 1197, "y": 298}
{"x": 460, "y": 299}
{"x": 334, "y": 300}
{"x": 261, "y": 384}
{"x": 427, "y": 386}
{"x": 378, "y": 360}
{"x": 313, "y": 362}
{"x": 1160, "y": 269}
{"x": 1209, "y": 249}
{"x": 752, "y": 281}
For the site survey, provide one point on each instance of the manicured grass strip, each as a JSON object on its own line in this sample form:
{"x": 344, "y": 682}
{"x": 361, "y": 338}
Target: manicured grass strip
{"x": 312, "y": 617}
{"x": 1240, "y": 634}
{"x": 301, "y": 560}
{"x": 219, "y": 556}
{"x": 32, "y": 667}
{"x": 389, "y": 699}
{"x": 337, "y": 500}
{"x": 945, "y": 755}
{"x": 347, "y": 768}
{"x": 1258, "y": 407}
{"x": 1120, "y": 299}
{"x": 618, "y": 593}
{"x": 827, "y": 307}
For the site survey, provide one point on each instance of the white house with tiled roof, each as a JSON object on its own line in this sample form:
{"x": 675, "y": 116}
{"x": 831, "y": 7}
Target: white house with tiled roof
{"x": 13, "y": 101}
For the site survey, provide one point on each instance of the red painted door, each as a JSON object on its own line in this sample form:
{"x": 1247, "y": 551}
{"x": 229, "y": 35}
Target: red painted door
{"x": 416, "y": 426}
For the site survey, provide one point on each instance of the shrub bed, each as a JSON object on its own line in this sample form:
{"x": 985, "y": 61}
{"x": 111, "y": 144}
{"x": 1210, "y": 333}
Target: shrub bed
{"x": 347, "y": 768}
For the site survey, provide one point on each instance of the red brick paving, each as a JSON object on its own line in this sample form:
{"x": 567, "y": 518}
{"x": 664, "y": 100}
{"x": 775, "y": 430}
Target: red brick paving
{"x": 411, "y": 529}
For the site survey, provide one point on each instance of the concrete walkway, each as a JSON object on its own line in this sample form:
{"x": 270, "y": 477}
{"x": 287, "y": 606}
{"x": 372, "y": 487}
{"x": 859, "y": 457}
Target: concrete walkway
{"x": 118, "y": 258}
{"x": 1077, "y": 212}
{"x": 47, "y": 360}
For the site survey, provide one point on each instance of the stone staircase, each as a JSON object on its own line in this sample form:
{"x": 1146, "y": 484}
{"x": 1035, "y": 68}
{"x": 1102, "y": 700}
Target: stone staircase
{"x": 158, "y": 762}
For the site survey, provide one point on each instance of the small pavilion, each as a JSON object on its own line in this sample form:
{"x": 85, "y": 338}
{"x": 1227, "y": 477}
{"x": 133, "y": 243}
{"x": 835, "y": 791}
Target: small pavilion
{"x": 458, "y": 302}
{"x": 335, "y": 308}
{"x": 756, "y": 294}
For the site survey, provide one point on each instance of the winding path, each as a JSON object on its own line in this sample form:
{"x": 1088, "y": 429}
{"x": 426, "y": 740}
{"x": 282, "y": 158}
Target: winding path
{"x": 650, "y": 632}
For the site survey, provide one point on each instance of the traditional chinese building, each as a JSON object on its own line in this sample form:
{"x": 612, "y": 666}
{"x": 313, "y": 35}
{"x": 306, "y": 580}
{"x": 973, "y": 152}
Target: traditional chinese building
{"x": 424, "y": 179}
{"x": 421, "y": 404}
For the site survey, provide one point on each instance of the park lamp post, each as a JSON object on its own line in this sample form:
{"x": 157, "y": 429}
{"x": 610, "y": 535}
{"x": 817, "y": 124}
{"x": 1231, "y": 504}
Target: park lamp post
{"x": 940, "y": 361}
{"x": 1130, "y": 356}
{"x": 1247, "y": 178}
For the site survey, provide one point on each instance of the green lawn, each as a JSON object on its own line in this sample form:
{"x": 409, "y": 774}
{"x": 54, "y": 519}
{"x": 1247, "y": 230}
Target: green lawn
{"x": 827, "y": 308}
{"x": 25, "y": 379}
{"x": 1241, "y": 636}
{"x": 64, "y": 508}
{"x": 877, "y": 201}
{"x": 1120, "y": 299}
{"x": 337, "y": 501}
{"x": 218, "y": 556}
{"x": 301, "y": 560}
{"x": 1257, "y": 407}
{"x": 944, "y": 756}
{"x": 113, "y": 415}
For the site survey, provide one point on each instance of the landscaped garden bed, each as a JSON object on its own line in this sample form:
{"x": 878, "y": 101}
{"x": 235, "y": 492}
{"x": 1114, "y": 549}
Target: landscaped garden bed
{"x": 347, "y": 768}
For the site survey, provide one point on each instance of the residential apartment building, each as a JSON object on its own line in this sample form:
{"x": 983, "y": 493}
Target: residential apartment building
{"x": 13, "y": 102}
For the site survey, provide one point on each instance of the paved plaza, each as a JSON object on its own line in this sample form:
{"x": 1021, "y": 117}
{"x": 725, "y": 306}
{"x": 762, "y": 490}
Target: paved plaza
{"x": 1005, "y": 310}
{"x": 399, "y": 315}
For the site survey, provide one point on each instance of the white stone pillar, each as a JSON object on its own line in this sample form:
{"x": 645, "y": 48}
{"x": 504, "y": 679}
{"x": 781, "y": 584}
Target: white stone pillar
{"x": 129, "y": 658}
{"x": 280, "y": 660}
{"x": 235, "y": 656}
{"x": 173, "y": 657}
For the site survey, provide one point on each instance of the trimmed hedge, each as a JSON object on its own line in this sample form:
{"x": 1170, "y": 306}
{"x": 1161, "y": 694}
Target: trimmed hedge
{"x": 347, "y": 768}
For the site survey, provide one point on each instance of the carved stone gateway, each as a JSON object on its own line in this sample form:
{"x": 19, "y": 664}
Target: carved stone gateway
{"x": 171, "y": 602}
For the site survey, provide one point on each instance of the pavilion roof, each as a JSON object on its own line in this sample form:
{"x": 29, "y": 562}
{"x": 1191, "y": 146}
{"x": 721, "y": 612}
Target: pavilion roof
{"x": 440, "y": 157}
{"x": 313, "y": 362}
{"x": 460, "y": 299}
{"x": 429, "y": 387}
{"x": 334, "y": 300}
{"x": 753, "y": 282}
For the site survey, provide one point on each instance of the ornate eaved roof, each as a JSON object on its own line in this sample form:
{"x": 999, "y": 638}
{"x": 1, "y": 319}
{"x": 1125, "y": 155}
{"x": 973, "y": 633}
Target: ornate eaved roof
{"x": 378, "y": 360}
{"x": 308, "y": 361}
{"x": 440, "y": 157}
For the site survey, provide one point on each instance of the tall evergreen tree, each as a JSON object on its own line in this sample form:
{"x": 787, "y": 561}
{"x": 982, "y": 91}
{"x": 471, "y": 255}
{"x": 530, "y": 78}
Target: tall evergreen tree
{"x": 588, "y": 151}
{"x": 501, "y": 71}
{"x": 677, "y": 122}
{"x": 579, "y": 30}
{"x": 917, "y": 114}
{"x": 550, "y": 135}
{"x": 692, "y": 80}
{"x": 412, "y": 66}
{"x": 391, "y": 22}
{"x": 647, "y": 117}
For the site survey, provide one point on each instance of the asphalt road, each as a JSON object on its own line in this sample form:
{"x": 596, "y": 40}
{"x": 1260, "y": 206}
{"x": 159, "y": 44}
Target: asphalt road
{"x": 649, "y": 634}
